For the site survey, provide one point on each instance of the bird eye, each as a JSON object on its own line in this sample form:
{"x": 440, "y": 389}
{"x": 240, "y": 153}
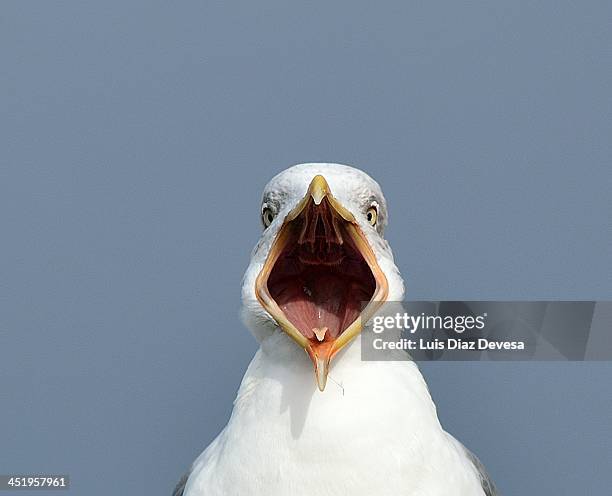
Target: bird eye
{"x": 372, "y": 215}
{"x": 267, "y": 216}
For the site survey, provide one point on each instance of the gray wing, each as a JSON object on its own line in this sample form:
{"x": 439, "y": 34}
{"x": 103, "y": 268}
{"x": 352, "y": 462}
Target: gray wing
{"x": 488, "y": 486}
{"x": 180, "y": 487}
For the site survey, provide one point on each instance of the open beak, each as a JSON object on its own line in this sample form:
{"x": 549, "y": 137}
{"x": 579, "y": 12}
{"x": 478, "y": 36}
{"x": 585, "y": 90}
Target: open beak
{"x": 319, "y": 273}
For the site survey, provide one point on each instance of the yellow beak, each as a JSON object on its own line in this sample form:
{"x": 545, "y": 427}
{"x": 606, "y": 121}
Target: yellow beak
{"x": 344, "y": 224}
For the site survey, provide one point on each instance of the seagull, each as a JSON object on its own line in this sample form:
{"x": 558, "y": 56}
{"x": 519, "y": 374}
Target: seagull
{"x": 352, "y": 427}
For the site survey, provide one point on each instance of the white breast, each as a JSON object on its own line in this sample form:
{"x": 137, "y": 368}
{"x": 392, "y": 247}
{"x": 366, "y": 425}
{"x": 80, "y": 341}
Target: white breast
{"x": 373, "y": 431}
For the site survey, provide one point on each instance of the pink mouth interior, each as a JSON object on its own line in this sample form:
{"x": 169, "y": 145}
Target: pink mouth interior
{"x": 320, "y": 280}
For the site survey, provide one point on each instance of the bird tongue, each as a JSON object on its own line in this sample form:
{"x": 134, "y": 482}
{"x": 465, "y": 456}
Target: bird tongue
{"x": 320, "y": 332}
{"x": 320, "y": 303}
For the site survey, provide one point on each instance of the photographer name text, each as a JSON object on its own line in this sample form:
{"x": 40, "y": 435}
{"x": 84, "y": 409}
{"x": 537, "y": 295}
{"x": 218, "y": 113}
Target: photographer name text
{"x": 408, "y": 344}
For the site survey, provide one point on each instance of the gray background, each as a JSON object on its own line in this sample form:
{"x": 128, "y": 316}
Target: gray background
{"x": 136, "y": 137}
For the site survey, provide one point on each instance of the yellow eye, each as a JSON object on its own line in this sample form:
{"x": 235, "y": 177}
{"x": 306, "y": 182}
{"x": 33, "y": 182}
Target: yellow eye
{"x": 372, "y": 215}
{"x": 267, "y": 216}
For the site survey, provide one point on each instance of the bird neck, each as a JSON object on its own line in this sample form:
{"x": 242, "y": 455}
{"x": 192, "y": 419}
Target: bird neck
{"x": 282, "y": 368}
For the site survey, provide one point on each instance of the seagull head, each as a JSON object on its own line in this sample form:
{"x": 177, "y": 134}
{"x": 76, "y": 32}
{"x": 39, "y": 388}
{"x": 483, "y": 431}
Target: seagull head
{"x": 322, "y": 266}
